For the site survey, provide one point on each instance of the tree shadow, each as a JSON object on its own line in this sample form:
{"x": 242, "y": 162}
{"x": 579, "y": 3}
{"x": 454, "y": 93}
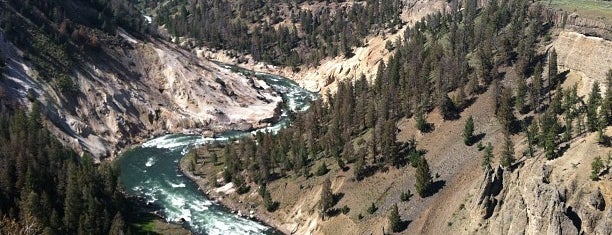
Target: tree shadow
{"x": 369, "y": 170}
{"x": 561, "y": 77}
{"x": 475, "y": 139}
{"x": 573, "y": 216}
{"x": 467, "y": 103}
{"x": 337, "y": 197}
{"x": 403, "y": 225}
{"x": 526, "y": 122}
{"x": 274, "y": 176}
{"x": 515, "y": 126}
{"x": 453, "y": 115}
{"x": 562, "y": 150}
{"x": 429, "y": 127}
{"x": 435, "y": 187}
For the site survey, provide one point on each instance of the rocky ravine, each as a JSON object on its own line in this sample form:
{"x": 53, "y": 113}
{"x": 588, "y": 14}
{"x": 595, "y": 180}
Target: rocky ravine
{"x": 134, "y": 89}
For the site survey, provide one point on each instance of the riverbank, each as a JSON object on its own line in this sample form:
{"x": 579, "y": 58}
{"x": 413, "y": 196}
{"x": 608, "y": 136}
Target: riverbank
{"x": 231, "y": 202}
{"x": 143, "y": 218}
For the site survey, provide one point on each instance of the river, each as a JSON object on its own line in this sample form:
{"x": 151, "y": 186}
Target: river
{"x": 151, "y": 171}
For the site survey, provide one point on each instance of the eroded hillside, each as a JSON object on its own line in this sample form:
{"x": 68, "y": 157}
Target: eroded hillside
{"x": 117, "y": 89}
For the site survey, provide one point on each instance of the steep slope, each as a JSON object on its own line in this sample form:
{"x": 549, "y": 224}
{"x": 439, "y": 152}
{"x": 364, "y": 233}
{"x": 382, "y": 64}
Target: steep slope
{"x": 364, "y": 60}
{"x": 533, "y": 196}
{"x": 537, "y": 195}
{"x": 125, "y": 89}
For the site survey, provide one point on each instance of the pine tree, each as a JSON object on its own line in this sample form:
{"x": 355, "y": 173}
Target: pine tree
{"x": 327, "y": 198}
{"x": 596, "y": 167}
{"x": 421, "y": 123}
{"x": 592, "y": 106}
{"x": 504, "y": 112}
{"x": 601, "y": 125}
{"x": 532, "y": 133}
{"x": 552, "y": 68}
{"x": 487, "y": 157}
{"x": 447, "y": 107}
{"x": 468, "y": 131}
{"x": 424, "y": 180}
{"x": 521, "y": 93}
{"x": 322, "y": 170}
{"x": 389, "y": 145}
{"x": 72, "y": 202}
{"x": 358, "y": 168}
{"x": 606, "y": 105}
{"x": 460, "y": 98}
{"x": 536, "y": 87}
{"x": 507, "y": 157}
{"x": 394, "y": 219}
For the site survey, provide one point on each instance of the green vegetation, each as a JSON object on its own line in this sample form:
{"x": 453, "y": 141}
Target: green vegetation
{"x": 279, "y": 32}
{"x": 487, "y": 157}
{"x": 52, "y": 34}
{"x": 507, "y": 156}
{"x": 468, "y": 131}
{"x": 61, "y": 192}
{"x": 270, "y": 205}
{"x": 357, "y": 126}
{"x": 395, "y": 222}
{"x": 322, "y": 170}
{"x": 327, "y": 197}
{"x": 405, "y": 196}
{"x": 345, "y": 209}
{"x": 596, "y": 166}
{"x": 597, "y": 9}
{"x": 424, "y": 180}
{"x": 372, "y": 209}
{"x": 592, "y": 106}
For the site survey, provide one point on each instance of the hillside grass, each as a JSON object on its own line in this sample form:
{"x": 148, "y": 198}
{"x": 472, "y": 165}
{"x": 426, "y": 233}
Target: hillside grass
{"x": 596, "y": 9}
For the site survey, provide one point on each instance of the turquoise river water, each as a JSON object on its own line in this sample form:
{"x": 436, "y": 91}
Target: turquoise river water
{"x": 151, "y": 170}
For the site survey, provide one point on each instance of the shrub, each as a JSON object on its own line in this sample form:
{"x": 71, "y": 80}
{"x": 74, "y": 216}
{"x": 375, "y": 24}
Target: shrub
{"x": 405, "y": 196}
{"x": 596, "y": 167}
{"x": 345, "y": 209}
{"x": 372, "y": 208}
{"x": 322, "y": 170}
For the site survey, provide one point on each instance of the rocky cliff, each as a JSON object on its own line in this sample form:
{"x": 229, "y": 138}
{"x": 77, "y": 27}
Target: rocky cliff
{"x": 545, "y": 196}
{"x": 131, "y": 89}
{"x": 589, "y": 56}
{"x": 574, "y": 22}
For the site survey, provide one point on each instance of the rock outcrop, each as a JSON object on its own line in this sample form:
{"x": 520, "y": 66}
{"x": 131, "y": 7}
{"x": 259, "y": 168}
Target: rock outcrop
{"x": 589, "y": 56}
{"x": 543, "y": 197}
{"x": 574, "y": 22}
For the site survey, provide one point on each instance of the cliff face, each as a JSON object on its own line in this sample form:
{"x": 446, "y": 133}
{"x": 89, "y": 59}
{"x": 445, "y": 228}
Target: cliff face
{"x": 132, "y": 89}
{"x": 589, "y": 56}
{"x": 542, "y": 196}
{"x": 574, "y": 22}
